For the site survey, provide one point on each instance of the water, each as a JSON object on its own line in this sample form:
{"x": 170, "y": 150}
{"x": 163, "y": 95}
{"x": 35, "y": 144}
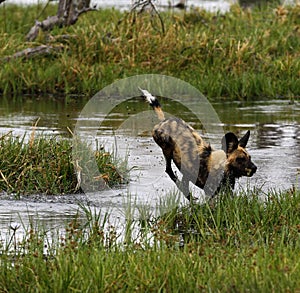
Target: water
{"x": 274, "y": 146}
{"x": 210, "y": 5}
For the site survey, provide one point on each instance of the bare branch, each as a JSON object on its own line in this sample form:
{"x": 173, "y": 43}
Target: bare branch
{"x": 74, "y": 18}
{"x": 68, "y": 13}
{"x": 143, "y": 4}
{"x": 32, "y": 52}
{"x": 45, "y": 25}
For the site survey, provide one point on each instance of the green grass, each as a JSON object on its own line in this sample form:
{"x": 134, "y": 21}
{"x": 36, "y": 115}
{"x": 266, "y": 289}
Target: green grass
{"x": 239, "y": 244}
{"x": 231, "y": 245}
{"x": 224, "y": 220}
{"x": 45, "y": 165}
{"x": 241, "y": 54}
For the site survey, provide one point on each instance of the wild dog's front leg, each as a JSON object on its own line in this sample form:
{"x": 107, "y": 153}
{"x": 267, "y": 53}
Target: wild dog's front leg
{"x": 183, "y": 185}
{"x": 169, "y": 170}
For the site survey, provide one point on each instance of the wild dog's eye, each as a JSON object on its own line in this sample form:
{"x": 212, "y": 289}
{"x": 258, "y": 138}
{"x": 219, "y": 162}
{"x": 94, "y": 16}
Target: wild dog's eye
{"x": 240, "y": 159}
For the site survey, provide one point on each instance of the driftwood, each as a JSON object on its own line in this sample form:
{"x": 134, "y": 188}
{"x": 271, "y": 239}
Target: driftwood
{"x": 32, "y": 52}
{"x": 68, "y": 13}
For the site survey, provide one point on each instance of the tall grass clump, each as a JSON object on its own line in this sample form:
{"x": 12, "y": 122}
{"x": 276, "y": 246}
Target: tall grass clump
{"x": 43, "y": 165}
{"x": 240, "y": 244}
{"x": 241, "y": 54}
{"x": 243, "y": 220}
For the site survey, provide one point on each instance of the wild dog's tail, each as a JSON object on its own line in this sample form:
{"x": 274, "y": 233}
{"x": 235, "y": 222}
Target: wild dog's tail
{"x": 154, "y": 103}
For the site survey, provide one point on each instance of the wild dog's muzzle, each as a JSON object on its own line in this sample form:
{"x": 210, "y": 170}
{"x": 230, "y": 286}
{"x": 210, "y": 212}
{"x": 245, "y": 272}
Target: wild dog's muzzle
{"x": 250, "y": 170}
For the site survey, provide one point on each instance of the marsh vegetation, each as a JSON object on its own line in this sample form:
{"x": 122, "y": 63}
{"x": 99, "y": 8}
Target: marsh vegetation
{"x": 241, "y": 54}
{"x": 241, "y": 243}
{"x": 46, "y": 165}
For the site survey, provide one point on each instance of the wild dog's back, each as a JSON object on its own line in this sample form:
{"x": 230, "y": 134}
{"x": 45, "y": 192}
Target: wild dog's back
{"x": 172, "y": 126}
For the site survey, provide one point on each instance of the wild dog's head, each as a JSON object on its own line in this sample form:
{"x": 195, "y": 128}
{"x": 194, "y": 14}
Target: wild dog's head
{"x": 238, "y": 160}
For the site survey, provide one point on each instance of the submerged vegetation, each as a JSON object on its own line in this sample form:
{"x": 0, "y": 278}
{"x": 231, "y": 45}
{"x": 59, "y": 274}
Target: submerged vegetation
{"x": 45, "y": 165}
{"x": 241, "y": 54}
{"x": 241, "y": 244}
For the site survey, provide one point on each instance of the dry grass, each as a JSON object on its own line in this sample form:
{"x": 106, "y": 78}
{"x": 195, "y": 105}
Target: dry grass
{"x": 241, "y": 54}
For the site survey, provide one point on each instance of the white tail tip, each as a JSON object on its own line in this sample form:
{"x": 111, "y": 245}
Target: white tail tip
{"x": 148, "y": 96}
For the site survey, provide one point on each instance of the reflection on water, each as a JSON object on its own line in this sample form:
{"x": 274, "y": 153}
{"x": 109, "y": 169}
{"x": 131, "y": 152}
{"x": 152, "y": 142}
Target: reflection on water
{"x": 274, "y": 145}
{"x": 19, "y": 115}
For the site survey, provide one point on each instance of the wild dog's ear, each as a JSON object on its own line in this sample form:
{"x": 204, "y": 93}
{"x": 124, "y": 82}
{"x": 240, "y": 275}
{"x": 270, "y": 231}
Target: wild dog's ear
{"x": 229, "y": 142}
{"x": 244, "y": 140}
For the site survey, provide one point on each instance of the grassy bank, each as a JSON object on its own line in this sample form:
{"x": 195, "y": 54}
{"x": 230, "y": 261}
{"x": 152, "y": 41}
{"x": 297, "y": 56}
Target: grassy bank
{"x": 239, "y": 245}
{"x": 43, "y": 165}
{"x": 241, "y": 54}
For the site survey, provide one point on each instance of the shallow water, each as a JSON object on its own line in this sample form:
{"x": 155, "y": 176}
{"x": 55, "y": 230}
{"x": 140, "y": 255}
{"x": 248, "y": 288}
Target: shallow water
{"x": 274, "y": 146}
{"x": 210, "y": 5}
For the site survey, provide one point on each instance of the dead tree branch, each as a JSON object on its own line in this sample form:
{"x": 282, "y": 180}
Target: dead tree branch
{"x": 68, "y": 13}
{"x": 32, "y": 52}
{"x": 141, "y": 5}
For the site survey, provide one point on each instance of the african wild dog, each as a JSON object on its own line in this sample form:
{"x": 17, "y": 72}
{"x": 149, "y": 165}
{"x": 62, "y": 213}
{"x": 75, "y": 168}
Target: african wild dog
{"x": 198, "y": 162}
